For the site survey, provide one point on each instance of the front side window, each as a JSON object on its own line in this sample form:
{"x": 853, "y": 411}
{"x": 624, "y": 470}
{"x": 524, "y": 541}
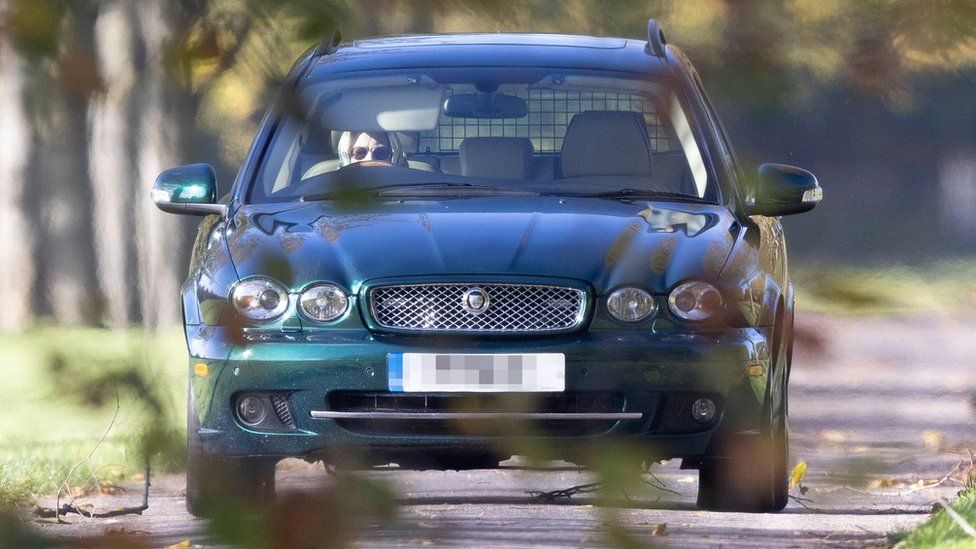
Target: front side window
{"x": 511, "y": 130}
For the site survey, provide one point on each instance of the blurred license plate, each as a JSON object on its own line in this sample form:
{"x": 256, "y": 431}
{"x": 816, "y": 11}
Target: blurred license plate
{"x": 487, "y": 373}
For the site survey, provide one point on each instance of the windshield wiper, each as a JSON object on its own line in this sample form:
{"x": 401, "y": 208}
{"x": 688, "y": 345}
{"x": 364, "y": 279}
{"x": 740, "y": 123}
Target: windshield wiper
{"x": 413, "y": 189}
{"x": 636, "y": 193}
{"x": 398, "y": 189}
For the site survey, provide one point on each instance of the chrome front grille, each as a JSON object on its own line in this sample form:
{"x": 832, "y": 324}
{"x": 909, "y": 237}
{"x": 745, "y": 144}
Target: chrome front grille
{"x": 448, "y": 307}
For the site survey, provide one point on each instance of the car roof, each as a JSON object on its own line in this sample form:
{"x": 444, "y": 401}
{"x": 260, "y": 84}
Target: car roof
{"x": 490, "y": 50}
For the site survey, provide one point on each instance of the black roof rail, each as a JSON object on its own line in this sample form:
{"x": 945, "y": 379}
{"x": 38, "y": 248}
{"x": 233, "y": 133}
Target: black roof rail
{"x": 655, "y": 39}
{"x": 328, "y": 44}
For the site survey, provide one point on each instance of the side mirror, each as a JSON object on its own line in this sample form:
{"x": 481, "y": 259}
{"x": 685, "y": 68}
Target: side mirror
{"x": 784, "y": 190}
{"x": 188, "y": 190}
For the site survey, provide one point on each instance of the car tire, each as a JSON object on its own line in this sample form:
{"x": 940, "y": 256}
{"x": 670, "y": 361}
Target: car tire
{"x": 754, "y": 477}
{"x": 781, "y": 473}
{"x": 752, "y": 480}
{"x": 213, "y": 482}
{"x": 781, "y": 484}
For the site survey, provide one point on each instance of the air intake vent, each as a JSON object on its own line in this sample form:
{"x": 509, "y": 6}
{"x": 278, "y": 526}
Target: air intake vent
{"x": 280, "y": 403}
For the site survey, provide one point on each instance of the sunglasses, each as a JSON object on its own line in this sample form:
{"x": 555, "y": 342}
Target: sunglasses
{"x": 381, "y": 152}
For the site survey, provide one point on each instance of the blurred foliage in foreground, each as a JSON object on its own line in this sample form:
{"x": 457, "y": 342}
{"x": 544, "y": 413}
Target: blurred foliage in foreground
{"x": 59, "y": 396}
{"x": 942, "y": 287}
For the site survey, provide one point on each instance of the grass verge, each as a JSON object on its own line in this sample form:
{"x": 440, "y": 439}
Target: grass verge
{"x": 53, "y": 413}
{"x": 940, "y": 288}
{"x": 941, "y": 531}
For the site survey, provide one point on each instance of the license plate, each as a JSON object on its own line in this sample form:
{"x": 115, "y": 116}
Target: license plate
{"x": 481, "y": 373}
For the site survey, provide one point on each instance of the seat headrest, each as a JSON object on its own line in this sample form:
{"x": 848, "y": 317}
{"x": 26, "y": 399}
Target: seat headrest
{"x": 606, "y": 143}
{"x": 497, "y": 157}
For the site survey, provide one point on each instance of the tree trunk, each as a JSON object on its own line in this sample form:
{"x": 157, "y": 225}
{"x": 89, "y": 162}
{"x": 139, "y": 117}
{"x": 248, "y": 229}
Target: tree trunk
{"x": 112, "y": 170}
{"x": 160, "y": 237}
{"x": 16, "y": 262}
{"x": 58, "y": 177}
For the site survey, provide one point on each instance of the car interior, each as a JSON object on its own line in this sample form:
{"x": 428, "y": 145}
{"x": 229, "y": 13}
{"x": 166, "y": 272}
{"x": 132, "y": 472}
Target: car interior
{"x": 598, "y": 144}
{"x": 605, "y": 139}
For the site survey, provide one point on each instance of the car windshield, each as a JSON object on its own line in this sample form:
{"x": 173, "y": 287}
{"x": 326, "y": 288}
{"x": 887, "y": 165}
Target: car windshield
{"x": 484, "y": 131}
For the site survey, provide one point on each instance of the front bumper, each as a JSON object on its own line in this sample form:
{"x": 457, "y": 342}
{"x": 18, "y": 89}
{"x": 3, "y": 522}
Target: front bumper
{"x": 656, "y": 373}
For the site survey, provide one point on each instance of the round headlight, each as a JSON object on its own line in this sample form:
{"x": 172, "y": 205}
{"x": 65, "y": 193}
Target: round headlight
{"x": 323, "y": 302}
{"x": 260, "y": 299}
{"x": 695, "y": 301}
{"x": 631, "y": 304}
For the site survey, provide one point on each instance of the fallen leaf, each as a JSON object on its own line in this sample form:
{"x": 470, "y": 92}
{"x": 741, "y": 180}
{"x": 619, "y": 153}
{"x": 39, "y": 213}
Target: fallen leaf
{"x": 798, "y": 473}
{"x": 184, "y": 543}
{"x": 660, "y": 530}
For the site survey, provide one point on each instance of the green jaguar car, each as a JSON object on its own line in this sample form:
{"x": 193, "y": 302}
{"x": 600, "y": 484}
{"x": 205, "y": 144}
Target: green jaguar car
{"x": 443, "y": 248}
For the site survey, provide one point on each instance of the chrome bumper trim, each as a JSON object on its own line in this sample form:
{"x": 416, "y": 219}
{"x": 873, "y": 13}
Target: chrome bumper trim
{"x": 582, "y": 416}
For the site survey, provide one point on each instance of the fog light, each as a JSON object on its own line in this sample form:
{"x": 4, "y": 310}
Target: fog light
{"x": 251, "y": 410}
{"x": 703, "y": 410}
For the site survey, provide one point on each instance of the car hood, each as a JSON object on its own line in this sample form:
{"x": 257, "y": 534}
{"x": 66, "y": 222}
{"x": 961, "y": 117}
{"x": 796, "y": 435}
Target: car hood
{"x": 607, "y": 243}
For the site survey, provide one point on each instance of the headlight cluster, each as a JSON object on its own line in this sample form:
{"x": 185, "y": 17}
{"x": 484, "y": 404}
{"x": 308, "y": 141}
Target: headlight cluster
{"x": 695, "y": 301}
{"x": 689, "y": 301}
{"x": 260, "y": 299}
{"x": 265, "y": 300}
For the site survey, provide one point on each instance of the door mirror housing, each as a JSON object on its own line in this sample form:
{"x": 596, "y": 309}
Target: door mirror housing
{"x": 784, "y": 190}
{"x": 188, "y": 190}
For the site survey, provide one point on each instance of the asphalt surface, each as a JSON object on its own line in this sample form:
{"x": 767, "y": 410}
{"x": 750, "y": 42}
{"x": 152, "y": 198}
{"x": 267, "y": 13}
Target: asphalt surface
{"x": 881, "y": 409}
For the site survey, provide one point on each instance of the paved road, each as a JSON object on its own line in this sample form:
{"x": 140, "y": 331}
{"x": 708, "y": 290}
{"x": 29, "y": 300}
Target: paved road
{"x": 881, "y": 405}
